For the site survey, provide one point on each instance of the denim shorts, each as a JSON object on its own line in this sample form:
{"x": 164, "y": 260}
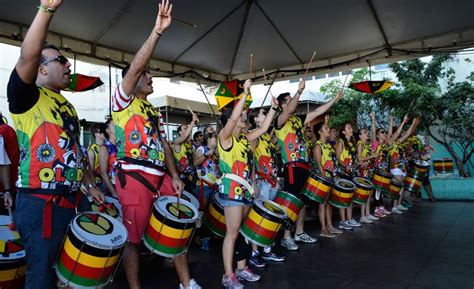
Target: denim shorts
{"x": 266, "y": 191}
{"x": 226, "y": 202}
{"x": 208, "y": 192}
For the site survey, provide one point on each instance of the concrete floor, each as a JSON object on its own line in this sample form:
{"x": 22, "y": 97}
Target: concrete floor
{"x": 431, "y": 246}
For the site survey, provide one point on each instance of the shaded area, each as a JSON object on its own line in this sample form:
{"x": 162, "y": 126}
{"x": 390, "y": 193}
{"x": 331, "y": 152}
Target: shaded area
{"x": 431, "y": 246}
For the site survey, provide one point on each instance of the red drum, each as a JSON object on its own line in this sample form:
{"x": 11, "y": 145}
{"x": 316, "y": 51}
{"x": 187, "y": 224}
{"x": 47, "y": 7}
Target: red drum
{"x": 341, "y": 193}
{"x": 394, "y": 189}
{"x": 423, "y": 167}
{"x": 317, "y": 188}
{"x": 215, "y": 219}
{"x": 291, "y": 204}
{"x": 381, "y": 180}
{"x": 443, "y": 166}
{"x": 363, "y": 189}
{"x": 412, "y": 184}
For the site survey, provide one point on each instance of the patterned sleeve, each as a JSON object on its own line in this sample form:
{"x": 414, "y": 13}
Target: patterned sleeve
{"x": 120, "y": 100}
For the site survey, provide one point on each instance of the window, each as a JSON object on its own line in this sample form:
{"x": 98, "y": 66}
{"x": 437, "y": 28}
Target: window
{"x": 381, "y": 66}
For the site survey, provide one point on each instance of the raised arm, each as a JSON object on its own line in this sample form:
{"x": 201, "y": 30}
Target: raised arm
{"x": 390, "y": 127}
{"x": 188, "y": 130}
{"x": 395, "y": 136}
{"x": 226, "y": 132}
{"x": 292, "y": 105}
{"x": 322, "y": 109}
{"x": 410, "y": 130}
{"x": 256, "y": 133}
{"x": 30, "y": 54}
{"x": 373, "y": 133}
{"x": 141, "y": 59}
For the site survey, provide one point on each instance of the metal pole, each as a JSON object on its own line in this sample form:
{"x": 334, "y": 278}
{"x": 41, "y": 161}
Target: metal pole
{"x": 271, "y": 84}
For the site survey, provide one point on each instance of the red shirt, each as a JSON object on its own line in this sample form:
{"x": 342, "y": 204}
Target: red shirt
{"x": 13, "y": 151}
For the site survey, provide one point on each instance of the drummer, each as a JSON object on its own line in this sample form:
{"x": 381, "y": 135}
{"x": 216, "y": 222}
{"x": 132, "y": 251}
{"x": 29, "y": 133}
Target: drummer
{"x": 346, "y": 156}
{"x": 325, "y": 157}
{"x": 143, "y": 152}
{"x": 236, "y": 188}
{"x": 107, "y": 158}
{"x": 294, "y": 154}
{"x": 366, "y": 157}
{"x": 48, "y": 160}
{"x": 266, "y": 174}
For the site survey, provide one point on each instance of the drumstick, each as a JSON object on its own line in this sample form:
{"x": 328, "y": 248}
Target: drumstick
{"x": 180, "y": 20}
{"x": 104, "y": 203}
{"x": 309, "y": 64}
{"x": 190, "y": 109}
{"x": 265, "y": 79}
{"x": 251, "y": 65}
{"x": 179, "y": 211}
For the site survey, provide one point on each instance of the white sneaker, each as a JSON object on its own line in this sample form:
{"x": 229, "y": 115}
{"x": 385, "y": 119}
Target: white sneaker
{"x": 372, "y": 217}
{"x": 402, "y": 208}
{"x": 396, "y": 211}
{"x": 354, "y": 223}
{"x": 289, "y": 244}
{"x": 305, "y": 238}
{"x": 366, "y": 220}
{"x": 192, "y": 285}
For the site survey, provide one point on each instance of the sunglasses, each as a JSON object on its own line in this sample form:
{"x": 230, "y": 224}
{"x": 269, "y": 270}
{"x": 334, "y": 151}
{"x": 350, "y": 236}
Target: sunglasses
{"x": 209, "y": 135}
{"x": 383, "y": 132}
{"x": 61, "y": 59}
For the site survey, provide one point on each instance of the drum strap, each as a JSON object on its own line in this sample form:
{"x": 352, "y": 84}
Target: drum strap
{"x": 291, "y": 166}
{"x": 269, "y": 178}
{"x": 137, "y": 176}
{"x": 59, "y": 201}
{"x": 238, "y": 179}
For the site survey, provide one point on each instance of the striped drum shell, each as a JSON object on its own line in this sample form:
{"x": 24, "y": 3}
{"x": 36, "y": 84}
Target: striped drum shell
{"x": 215, "y": 219}
{"x": 363, "y": 189}
{"x": 12, "y": 257}
{"x": 291, "y": 204}
{"x": 341, "y": 194}
{"x": 317, "y": 188}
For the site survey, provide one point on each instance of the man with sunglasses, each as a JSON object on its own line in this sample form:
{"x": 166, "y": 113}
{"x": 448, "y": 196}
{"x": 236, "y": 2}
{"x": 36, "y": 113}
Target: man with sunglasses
{"x": 144, "y": 154}
{"x": 51, "y": 175}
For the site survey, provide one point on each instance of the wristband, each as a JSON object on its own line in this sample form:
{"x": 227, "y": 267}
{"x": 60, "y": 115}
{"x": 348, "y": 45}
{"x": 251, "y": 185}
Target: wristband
{"x": 46, "y": 9}
{"x": 158, "y": 33}
{"x": 274, "y": 108}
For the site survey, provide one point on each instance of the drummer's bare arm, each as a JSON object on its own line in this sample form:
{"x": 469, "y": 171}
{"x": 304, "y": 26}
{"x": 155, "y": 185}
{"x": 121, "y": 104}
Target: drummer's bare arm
{"x": 317, "y": 157}
{"x": 170, "y": 162}
{"x": 412, "y": 128}
{"x": 373, "y": 135}
{"x": 104, "y": 166}
{"x": 291, "y": 107}
{"x": 88, "y": 182}
{"x": 256, "y": 133}
{"x": 322, "y": 109}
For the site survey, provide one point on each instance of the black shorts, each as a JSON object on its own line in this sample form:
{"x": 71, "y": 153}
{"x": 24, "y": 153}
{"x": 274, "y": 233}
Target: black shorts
{"x": 300, "y": 176}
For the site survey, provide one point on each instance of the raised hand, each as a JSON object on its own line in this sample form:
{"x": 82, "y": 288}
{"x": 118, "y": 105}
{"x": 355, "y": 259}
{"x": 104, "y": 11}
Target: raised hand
{"x": 247, "y": 85}
{"x": 405, "y": 118}
{"x": 339, "y": 95}
{"x": 274, "y": 103}
{"x": 390, "y": 118}
{"x": 326, "y": 119}
{"x": 163, "y": 20}
{"x": 301, "y": 86}
{"x": 195, "y": 117}
{"x": 372, "y": 115}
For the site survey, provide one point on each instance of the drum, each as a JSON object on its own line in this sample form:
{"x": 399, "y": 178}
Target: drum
{"x": 215, "y": 219}
{"x": 443, "y": 166}
{"x": 363, "y": 189}
{"x": 317, "y": 188}
{"x": 394, "y": 189}
{"x": 423, "y": 167}
{"x": 291, "y": 204}
{"x": 341, "y": 193}
{"x": 110, "y": 207}
{"x": 171, "y": 226}
{"x": 91, "y": 251}
{"x": 381, "y": 180}
{"x": 12, "y": 257}
{"x": 412, "y": 184}
{"x": 190, "y": 198}
{"x": 263, "y": 222}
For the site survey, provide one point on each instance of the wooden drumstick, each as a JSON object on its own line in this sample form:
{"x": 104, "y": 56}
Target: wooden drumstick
{"x": 104, "y": 203}
{"x": 180, "y": 20}
{"x": 251, "y": 66}
{"x": 309, "y": 64}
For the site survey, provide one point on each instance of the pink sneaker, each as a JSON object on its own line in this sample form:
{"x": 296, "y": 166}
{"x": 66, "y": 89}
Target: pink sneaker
{"x": 379, "y": 213}
{"x": 385, "y": 211}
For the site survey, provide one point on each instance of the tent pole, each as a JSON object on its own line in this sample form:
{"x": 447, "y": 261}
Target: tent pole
{"x": 167, "y": 122}
{"x": 270, "y": 87}
{"x": 210, "y": 106}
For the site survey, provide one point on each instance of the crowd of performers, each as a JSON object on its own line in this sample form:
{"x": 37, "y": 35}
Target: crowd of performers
{"x": 256, "y": 157}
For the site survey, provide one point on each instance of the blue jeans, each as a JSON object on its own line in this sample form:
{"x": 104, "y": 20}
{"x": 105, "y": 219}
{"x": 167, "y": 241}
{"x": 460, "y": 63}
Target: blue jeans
{"x": 41, "y": 253}
{"x": 266, "y": 191}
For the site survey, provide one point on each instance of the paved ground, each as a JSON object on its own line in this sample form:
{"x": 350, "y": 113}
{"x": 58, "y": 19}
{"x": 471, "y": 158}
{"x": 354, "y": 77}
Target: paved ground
{"x": 431, "y": 246}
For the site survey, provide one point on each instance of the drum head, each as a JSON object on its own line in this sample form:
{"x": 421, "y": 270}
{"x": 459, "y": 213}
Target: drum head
{"x": 99, "y": 230}
{"x": 422, "y": 163}
{"x": 13, "y": 246}
{"x": 271, "y": 208}
{"x": 396, "y": 182}
{"x": 382, "y": 173}
{"x": 190, "y": 198}
{"x": 345, "y": 185}
{"x": 184, "y": 213}
{"x": 321, "y": 178}
{"x": 361, "y": 182}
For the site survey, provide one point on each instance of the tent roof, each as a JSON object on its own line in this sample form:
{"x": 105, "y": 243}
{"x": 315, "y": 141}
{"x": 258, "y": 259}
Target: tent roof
{"x": 280, "y": 34}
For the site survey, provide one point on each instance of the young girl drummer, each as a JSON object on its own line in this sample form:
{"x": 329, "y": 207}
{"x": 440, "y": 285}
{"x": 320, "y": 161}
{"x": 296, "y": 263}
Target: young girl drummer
{"x": 325, "y": 157}
{"x": 235, "y": 191}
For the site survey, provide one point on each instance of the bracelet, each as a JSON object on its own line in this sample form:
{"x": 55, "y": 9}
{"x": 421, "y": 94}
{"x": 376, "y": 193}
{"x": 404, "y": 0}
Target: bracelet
{"x": 159, "y": 34}
{"x": 274, "y": 108}
{"x": 46, "y": 9}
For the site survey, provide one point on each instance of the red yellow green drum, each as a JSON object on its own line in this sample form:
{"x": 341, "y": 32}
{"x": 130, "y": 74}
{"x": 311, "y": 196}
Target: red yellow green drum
{"x": 412, "y": 184}
{"x": 12, "y": 257}
{"x": 91, "y": 251}
{"x": 423, "y": 167}
{"x": 341, "y": 193}
{"x": 363, "y": 189}
{"x": 394, "y": 189}
{"x": 215, "y": 219}
{"x": 263, "y": 222}
{"x": 443, "y": 166}
{"x": 381, "y": 180}
{"x": 317, "y": 188}
{"x": 291, "y": 204}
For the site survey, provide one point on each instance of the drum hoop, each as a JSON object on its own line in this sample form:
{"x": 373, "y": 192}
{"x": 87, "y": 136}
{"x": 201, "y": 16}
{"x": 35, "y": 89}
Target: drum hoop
{"x": 259, "y": 203}
{"x": 362, "y": 184}
{"x": 383, "y": 174}
{"x": 323, "y": 178}
{"x": 337, "y": 181}
{"x": 114, "y": 221}
{"x": 173, "y": 218}
{"x": 192, "y": 198}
